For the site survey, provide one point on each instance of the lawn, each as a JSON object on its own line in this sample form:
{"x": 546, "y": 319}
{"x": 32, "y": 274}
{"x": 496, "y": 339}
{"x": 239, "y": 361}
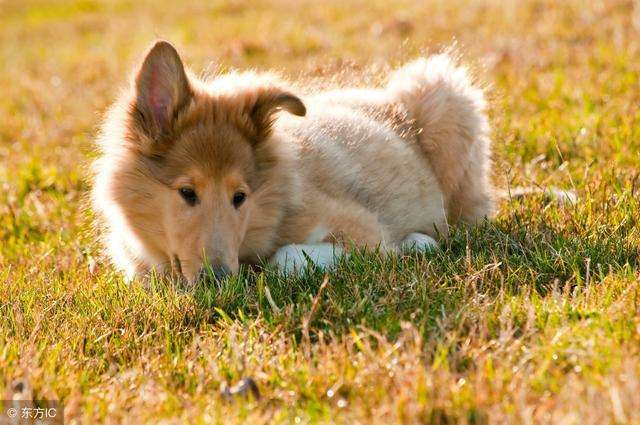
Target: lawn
{"x": 532, "y": 318}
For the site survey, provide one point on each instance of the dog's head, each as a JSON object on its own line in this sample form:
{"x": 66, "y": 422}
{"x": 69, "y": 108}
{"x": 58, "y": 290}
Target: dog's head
{"x": 195, "y": 155}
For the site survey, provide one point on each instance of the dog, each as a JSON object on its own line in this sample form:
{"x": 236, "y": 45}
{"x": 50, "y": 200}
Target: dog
{"x": 194, "y": 174}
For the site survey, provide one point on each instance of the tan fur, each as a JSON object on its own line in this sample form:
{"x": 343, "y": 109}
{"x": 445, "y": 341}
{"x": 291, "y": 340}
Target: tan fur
{"x": 363, "y": 166}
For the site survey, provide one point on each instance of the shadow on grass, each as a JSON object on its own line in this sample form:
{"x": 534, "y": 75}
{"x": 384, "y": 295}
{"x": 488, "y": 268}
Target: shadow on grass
{"x": 424, "y": 288}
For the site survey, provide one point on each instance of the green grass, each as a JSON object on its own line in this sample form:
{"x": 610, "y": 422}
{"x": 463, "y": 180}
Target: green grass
{"x": 533, "y": 318}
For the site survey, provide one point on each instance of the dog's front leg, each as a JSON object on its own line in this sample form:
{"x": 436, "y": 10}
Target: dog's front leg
{"x": 331, "y": 228}
{"x": 418, "y": 241}
{"x": 295, "y": 257}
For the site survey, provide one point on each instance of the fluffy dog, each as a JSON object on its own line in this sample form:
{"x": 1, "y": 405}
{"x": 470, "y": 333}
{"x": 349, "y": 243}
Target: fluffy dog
{"x": 243, "y": 167}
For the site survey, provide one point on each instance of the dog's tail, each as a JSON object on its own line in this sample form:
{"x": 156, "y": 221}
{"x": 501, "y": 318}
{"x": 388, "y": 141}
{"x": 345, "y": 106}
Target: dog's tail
{"x": 549, "y": 194}
{"x": 448, "y": 112}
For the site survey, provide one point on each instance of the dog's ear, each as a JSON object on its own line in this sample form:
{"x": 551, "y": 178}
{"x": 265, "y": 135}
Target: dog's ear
{"x": 268, "y": 103}
{"x": 161, "y": 89}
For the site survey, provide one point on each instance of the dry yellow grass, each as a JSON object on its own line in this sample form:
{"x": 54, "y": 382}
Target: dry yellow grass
{"x": 532, "y": 319}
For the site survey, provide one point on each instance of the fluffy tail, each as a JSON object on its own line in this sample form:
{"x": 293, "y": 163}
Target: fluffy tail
{"x": 448, "y": 111}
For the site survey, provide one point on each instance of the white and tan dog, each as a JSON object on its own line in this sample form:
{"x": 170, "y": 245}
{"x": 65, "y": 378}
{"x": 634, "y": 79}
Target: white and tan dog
{"x": 194, "y": 173}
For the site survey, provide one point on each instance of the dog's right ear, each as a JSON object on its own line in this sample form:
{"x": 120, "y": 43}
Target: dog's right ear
{"x": 162, "y": 89}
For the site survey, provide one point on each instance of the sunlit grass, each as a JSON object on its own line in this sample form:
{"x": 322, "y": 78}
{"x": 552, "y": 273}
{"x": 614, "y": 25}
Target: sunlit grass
{"x": 532, "y": 318}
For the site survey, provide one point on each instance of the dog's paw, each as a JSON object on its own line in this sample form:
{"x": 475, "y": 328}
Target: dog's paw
{"x": 294, "y": 257}
{"x": 418, "y": 241}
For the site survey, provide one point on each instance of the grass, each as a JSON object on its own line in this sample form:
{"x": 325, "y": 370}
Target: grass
{"x": 533, "y": 318}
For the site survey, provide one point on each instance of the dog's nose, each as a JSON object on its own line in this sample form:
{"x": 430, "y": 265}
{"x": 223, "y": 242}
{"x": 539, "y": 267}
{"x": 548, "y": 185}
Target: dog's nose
{"x": 219, "y": 272}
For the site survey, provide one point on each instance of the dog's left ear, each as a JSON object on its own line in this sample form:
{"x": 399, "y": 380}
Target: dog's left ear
{"x": 270, "y": 102}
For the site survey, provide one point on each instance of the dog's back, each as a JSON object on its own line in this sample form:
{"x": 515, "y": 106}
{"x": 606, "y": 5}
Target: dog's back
{"x": 414, "y": 153}
{"x": 353, "y": 154}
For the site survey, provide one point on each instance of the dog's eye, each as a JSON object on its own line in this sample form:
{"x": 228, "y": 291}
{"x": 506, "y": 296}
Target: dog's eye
{"x": 189, "y": 195}
{"x": 238, "y": 199}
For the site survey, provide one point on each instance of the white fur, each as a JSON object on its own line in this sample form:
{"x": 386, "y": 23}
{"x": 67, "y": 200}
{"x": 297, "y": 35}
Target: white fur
{"x": 292, "y": 258}
{"x": 295, "y": 257}
{"x": 419, "y": 241}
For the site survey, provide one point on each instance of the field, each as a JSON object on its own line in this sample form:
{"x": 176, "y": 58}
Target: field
{"x": 533, "y": 318}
